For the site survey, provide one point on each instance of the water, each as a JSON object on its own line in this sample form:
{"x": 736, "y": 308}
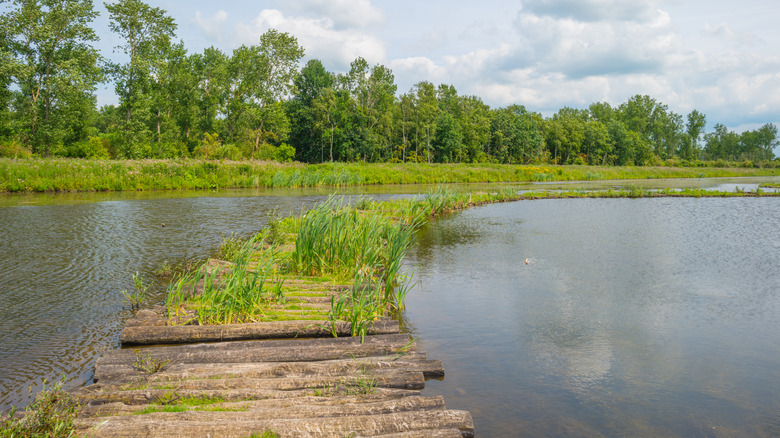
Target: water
{"x": 63, "y": 266}
{"x": 64, "y": 258}
{"x": 633, "y": 317}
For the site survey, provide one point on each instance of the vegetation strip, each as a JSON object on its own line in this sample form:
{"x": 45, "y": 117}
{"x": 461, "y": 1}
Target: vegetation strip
{"x": 68, "y": 175}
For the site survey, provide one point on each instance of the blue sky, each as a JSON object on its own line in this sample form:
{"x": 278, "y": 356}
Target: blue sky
{"x": 545, "y": 54}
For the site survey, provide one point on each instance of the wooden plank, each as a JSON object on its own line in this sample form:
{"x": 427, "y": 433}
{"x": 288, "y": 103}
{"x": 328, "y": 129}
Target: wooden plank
{"x": 153, "y": 335}
{"x": 387, "y": 378}
{"x": 223, "y": 424}
{"x": 304, "y": 407}
{"x": 416, "y": 361}
{"x": 288, "y": 350}
{"x": 91, "y": 395}
{"x": 437, "y": 433}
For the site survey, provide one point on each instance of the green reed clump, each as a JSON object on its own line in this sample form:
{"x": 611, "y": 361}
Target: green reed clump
{"x": 335, "y": 239}
{"x": 364, "y": 303}
{"x": 138, "y": 295}
{"x": 51, "y": 414}
{"x": 231, "y": 247}
{"x": 236, "y": 297}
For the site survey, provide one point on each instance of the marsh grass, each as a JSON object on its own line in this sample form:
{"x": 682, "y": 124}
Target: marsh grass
{"x": 51, "y": 414}
{"x": 66, "y": 175}
{"x": 240, "y": 296}
{"x": 138, "y": 295}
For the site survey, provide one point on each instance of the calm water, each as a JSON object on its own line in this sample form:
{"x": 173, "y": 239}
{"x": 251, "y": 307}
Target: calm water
{"x": 65, "y": 258}
{"x": 63, "y": 266}
{"x": 633, "y": 317}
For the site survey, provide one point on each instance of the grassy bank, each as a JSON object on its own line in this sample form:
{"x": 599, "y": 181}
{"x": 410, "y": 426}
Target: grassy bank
{"x": 67, "y": 175}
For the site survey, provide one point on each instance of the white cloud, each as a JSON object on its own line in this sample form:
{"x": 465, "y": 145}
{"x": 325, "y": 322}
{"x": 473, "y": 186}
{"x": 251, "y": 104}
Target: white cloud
{"x": 580, "y": 49}
{"x": 211, "y": 27}
{"x": 723, "y": 31}
{"x": 335, "y": 48}
{"x": 592, "y": 10}
{"x": 421, "y": 68}
{"x": 345, "y": 14}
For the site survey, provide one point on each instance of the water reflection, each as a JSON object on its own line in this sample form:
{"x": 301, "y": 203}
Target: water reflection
{"x": 646, "y": 317}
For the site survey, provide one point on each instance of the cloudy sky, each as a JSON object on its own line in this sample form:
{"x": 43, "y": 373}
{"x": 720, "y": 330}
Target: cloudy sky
{"x": 717, "y": 56}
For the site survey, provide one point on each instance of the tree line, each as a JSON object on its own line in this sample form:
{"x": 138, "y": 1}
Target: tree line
{"x": 258, "y": 103}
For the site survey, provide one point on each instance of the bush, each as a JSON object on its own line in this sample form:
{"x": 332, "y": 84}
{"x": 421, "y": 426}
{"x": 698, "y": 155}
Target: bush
{"x": 285, "y": 153}
{"x": 93, "y": 148}
{"x": 50, "y": 415}
{"x": 14, "y": 149}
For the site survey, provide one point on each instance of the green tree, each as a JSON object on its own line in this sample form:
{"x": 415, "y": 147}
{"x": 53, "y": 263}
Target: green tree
{"x": 474, "y": 118}
{"x": 211, "y": 71}
{"x": 50, "y": 57}
{"x": 565, "y": 134}
{"x": 694, "y": 128}
{"x": 516, "y": 135}
{"x": 721, "y": 144}
{"x": 596, "y": 143}
{"x": 306, "y": 135}
{"x": 144, "y": 30}
{"x": 426, "y": 115}
{"x": 448, "y": 140}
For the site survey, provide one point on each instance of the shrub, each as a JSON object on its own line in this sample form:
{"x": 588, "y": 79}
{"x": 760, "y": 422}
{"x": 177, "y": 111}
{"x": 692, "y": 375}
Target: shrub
{"x": 14, "y": 149}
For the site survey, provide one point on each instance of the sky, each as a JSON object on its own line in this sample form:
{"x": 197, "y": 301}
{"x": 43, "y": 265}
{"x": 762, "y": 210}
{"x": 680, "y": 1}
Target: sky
{"x": 719, "y": 57}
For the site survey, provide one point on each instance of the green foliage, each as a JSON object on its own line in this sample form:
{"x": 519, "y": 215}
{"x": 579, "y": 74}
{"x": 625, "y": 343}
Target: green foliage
{"x": 138, "y": 295}
{"x": 14, "y": 149}
{"x": 51, "y": 414}
{"x": 147, "y": 364}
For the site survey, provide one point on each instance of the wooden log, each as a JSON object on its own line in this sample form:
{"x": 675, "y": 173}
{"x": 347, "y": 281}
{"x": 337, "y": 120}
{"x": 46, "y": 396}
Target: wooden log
{"x": 288, "y": 350}
{"x": 119, "y": 374}
{"x": 92, "y": 396}
{"x": 304, "y": 407}
{"x": 381, "y": 378}
{"x": 436, "y": 433}
{"x": 200, "y": 424}
{"x": 153, "y": 335}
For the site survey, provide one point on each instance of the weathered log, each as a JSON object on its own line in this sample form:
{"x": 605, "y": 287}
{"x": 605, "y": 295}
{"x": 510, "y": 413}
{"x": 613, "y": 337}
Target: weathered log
{"x": 381, "y": 378}
{"x": 92, "y": 396}
{"x": 190, "y": 424}
{"x": 151, "y": 335}
{"x": 288, "y": 350}
{"x": 436, "y": 433}
{"x": 119, "y": 374}
{"x": 304, "y": 407}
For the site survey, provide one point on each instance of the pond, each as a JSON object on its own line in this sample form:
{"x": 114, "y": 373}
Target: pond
{"x": 631, "y": 317}
{"x": 64, "y": 258}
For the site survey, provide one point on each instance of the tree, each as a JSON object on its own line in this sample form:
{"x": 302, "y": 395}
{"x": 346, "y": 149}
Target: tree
{"x": 448, "y": 139}
{"x": 565, "y": 133}
{"x": 473, "y": 116}
{"x": 721, "y": 144}
{"x": 516, "y": 135}
{"x": 211, "y": 71}
{"x": 144, "y": 30}
{"x": 596, "y": 144}
{"x": 50, "y": 58}
{"x": 694, "y": 128}
{"x": 652, "y": 120}
{"x": 306, "y": 134}
{"x": 426, "y": 115}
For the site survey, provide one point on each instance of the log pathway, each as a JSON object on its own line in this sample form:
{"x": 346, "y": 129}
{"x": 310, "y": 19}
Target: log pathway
{"x": 292, "y": 378}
